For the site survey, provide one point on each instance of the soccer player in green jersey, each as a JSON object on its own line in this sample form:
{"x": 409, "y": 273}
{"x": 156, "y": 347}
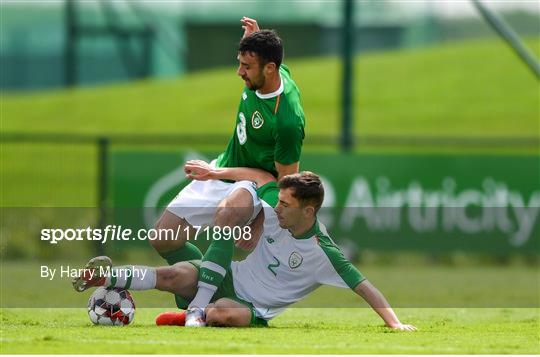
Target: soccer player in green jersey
{"x": 295, "y": 257}
{"x": 268, "y": 135}
{"x": 270, "y": 122}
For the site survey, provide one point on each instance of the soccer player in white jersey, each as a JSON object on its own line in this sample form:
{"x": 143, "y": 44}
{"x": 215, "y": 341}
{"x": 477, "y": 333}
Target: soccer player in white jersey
{"x": 294, "y": 257}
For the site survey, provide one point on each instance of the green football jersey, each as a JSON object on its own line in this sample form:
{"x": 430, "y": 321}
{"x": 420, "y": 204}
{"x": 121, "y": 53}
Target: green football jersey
{"x": 269, "y": 128}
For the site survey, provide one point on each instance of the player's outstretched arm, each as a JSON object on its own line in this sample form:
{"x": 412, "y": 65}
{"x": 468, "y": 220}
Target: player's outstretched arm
{"x": 379, "y": 303}
{"x": 202, "y": 171}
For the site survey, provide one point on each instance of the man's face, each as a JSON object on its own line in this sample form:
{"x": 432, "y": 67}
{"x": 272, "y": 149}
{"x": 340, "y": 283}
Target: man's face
{"x": 289, "y": 210}
{"x": 250, "y": 70}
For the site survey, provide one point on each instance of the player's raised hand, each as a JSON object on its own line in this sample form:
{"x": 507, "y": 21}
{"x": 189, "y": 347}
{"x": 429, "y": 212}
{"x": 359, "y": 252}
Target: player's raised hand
{"x": 198, "y": 170}
{"x": 404, "y": 327}
{"x": 249, "y": 26}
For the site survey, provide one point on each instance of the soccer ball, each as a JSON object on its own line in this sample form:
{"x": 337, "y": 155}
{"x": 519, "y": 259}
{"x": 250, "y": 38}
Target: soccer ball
{"x": 111, "y": 307}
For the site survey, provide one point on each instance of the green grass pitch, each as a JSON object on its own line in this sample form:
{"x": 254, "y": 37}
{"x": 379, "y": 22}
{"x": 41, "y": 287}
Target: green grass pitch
{"x": 328, "y": 331}
{"x": 329, "y": 321}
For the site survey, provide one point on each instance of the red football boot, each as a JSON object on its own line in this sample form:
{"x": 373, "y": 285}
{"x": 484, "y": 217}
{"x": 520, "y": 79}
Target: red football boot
{"x": 171, "y": 318}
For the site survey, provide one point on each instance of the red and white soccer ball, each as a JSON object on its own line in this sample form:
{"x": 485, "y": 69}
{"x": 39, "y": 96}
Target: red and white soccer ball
{"x": 111, "y": 307}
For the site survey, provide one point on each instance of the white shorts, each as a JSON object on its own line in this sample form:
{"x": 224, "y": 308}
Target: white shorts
{"x": 198, "y": 201}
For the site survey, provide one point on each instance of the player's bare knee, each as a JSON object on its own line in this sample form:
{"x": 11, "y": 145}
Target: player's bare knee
{"x": 235, "y": 210}
{"x": 176, "y": 277}
{"x": 240, "y": 198}
{"x": 219, "y": 316}
{"x": 166, "y": 277}
{"x": 227, "y": 216}
{"x": 211, "y": 315}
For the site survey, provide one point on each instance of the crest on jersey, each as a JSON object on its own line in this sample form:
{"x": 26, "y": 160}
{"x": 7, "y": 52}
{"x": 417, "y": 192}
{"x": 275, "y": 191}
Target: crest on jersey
{"x": 257, "y": 120}
{"x": 295, "y": 260}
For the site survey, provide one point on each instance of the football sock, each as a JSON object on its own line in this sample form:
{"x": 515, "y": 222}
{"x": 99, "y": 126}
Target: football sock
{"x": 135, "y": 277}
{"x": 213, "y": 269}
{"x": 203, "y": 297}
{"x": 182, "y": 254}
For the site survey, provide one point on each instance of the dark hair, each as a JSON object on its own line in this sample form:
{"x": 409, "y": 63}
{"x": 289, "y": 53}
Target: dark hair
{"x": 266, "y": 44}
{"x": 307, "y": 188}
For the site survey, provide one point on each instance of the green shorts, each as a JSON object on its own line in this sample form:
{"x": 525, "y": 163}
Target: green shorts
{"x": 269, "y": 193}
{"x": 225, "y": 290}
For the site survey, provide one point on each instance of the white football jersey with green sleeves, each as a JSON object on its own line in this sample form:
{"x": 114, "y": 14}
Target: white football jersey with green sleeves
{"x": 283, "y": 269}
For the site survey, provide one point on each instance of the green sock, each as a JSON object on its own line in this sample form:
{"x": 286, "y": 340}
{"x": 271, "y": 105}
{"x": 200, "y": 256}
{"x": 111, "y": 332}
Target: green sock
{"x": 216, "y": 261}
{"x": 182, "y": 254}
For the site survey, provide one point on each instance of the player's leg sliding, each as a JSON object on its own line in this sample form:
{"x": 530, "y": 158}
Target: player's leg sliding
{"x": 99, "y": 272}
{"x": 213, "y": 269}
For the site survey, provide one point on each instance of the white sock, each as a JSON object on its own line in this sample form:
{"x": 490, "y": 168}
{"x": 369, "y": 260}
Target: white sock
{"x": 204, "y": 295}
{"x": 134, "y": 277}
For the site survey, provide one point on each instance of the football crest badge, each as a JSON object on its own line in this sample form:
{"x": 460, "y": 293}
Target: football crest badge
{"x": 257, "y": 120}
{"x": 295, "y": 260}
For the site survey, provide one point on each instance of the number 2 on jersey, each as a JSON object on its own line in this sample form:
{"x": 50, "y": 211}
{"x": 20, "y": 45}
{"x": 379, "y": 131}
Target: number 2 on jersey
{"x": 272, "y": 266}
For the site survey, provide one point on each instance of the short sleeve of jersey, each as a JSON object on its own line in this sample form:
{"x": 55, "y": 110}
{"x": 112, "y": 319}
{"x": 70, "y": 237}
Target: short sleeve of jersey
{"x": 338, "y": 271}
{"x": 289, "y": 134}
